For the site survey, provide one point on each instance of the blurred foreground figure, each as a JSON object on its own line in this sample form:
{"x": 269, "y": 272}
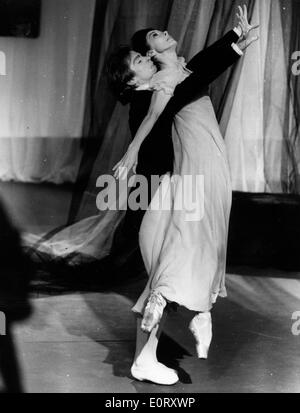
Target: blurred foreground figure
{"x": 15, "y": 271}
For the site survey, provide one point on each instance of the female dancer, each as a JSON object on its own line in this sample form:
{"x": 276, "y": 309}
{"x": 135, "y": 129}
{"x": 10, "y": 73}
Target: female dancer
{"x": 185, "y": 260}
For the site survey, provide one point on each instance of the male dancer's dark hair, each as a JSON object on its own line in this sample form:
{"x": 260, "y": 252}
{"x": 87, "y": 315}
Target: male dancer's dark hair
{"x": 119, "y": 74}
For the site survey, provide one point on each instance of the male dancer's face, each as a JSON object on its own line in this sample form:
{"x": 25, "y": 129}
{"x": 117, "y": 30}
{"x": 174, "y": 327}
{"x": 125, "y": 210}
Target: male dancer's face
{"x": 160, "y": 41}
{"x": 142, "y": 66}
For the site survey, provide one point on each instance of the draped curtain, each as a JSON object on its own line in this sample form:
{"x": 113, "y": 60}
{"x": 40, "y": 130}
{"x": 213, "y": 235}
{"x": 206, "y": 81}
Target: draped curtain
{"x": 260, "y": 123}
{"x": 42, "y": 97}
{"x": 256, "y": 103}
{"x": 291, "y": 131}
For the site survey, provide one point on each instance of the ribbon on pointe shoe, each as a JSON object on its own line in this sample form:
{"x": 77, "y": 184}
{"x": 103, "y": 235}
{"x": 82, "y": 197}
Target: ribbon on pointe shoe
{"x": 153, "y": 311}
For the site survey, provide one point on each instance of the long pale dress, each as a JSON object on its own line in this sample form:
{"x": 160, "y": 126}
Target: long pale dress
{"x": 185, "y": 253}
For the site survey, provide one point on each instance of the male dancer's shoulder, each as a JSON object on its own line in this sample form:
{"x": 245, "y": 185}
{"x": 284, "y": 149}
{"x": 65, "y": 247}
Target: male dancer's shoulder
{"x": 139, "y": 106}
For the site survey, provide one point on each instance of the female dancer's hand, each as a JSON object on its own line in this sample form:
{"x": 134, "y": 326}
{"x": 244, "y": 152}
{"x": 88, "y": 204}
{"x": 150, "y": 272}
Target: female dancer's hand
{"x": 246, "y": 28}
{"x": 129, "y": 160}
{"x": 243, "y": 44}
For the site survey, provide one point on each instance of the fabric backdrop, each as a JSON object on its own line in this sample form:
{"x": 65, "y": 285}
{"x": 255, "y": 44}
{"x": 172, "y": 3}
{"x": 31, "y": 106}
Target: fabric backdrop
{"x": 42, "y": 97}
{"x": 256, "y": 103}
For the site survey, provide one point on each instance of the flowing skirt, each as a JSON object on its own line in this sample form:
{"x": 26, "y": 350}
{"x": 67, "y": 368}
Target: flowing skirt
{"x": 183, "y": 236}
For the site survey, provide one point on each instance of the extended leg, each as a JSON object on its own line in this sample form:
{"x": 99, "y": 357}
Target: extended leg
{"x": 201, "y": 327}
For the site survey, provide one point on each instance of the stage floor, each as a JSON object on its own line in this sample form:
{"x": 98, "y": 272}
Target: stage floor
{"x": 84, "y": 342}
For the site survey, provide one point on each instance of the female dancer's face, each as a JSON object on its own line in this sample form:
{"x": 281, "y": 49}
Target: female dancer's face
{"x": 160, "y": 41}
{"x": 142, "y": 66}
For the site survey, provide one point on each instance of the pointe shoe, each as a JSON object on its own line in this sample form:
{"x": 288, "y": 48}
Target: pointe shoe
{"x": 153, "y": 311}
{"x": 155, "y": 372}
{"x": 201, "y": 328}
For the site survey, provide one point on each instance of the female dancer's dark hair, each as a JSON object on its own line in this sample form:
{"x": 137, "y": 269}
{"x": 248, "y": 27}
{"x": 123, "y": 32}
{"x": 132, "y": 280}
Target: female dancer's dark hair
{"x": 139, "y": 41}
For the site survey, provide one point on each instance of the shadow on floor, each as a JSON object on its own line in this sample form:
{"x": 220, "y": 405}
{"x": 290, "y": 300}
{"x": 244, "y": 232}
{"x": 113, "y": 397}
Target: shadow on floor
{"x": 250, "y": 327}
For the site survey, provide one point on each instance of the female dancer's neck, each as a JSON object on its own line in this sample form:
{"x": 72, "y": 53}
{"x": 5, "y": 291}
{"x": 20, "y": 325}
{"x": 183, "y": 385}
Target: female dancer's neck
{"x": 167, "y": 57}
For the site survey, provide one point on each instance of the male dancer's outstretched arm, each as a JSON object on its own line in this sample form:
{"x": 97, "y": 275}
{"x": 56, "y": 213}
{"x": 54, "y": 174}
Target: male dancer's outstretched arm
{"x": 209, "y": 54}
{"x": 210, "y": 63}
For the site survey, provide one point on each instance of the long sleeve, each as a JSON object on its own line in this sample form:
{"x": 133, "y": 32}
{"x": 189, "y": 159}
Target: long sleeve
{"x": 210, "y": 52}
{"x": 207, "y": 66}
{"x": 139, "y": 107}
{"x": 156, "y": 152}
